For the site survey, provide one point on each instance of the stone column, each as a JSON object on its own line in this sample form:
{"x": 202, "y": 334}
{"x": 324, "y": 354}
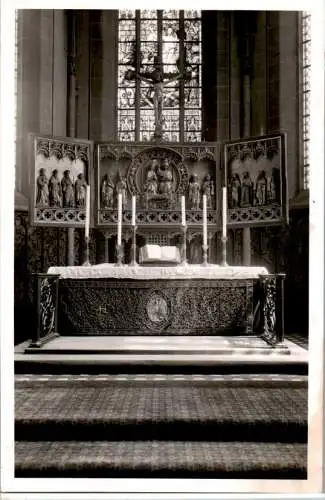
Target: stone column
{"x": 72, "y": 107}
{"x": 246, "y": 108}
{"x": 246, "y": 27}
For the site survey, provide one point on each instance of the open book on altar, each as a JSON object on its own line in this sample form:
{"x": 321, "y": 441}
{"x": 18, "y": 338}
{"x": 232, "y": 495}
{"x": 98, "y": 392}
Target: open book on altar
{"x": 155, "y": 254}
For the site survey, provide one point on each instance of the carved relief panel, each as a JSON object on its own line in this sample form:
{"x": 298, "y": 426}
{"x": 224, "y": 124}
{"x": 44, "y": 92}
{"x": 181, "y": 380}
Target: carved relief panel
{"x": 61, "y": 171}
{"x": 255, "y": 173}
{"x": 158, "y": 176}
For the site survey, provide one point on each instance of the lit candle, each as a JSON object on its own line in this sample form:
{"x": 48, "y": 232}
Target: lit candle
{"x": 183, "y": 211}
{"x": 133, "y": 209}
{"x": 119, "y": 219}
{"x": 205, "y": 228}
{"x": 87, "y": 221}
{"x": 224, "y": 212}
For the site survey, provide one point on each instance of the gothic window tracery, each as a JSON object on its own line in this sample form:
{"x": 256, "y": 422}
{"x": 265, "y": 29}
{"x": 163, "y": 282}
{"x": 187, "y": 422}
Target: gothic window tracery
{"x": 173, "y": 38}
{"x": 306, "y": 69}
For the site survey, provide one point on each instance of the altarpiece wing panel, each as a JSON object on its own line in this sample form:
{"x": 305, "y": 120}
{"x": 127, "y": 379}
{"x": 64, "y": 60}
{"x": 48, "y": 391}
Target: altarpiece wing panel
{"x": 256, "y": 180}
{"x": 61, "y": 169}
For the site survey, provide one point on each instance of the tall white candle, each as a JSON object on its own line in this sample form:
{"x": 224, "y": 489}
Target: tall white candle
{"x": 133, "y": 209}
{"x": 119, "y": 219}
{"x": 183, "y": 211}
{"x": 224, "y": 212}
{"x": 87, "y": 221}
{"x": 205, "y": 228}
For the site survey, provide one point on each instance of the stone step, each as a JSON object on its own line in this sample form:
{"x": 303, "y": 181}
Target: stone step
{"x": 159, "y": 459}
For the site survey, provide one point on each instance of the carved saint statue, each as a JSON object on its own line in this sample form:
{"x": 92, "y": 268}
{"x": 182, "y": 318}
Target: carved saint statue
{"x": 80, "y": 191}
{"x": 107, "y": 191}
{"x": 194, "y": 192}
{"x": 235, "y": 188}
{"x": 151, "y": 185}
{"x": 121, "y": 188}
{"x": 165, "y": 176}
{"x": 42, "y": 197}
{"x": 55, "y": 190}
{"x": 208, "y": 189}
{"x": 272, "y": 187}
{"x": 246, "y": 190}
{"x": 67, "y": 189}
{"x": 261, "y": 187}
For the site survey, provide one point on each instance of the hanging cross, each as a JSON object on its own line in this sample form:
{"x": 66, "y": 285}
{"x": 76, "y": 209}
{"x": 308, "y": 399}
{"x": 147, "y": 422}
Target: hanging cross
{"x": 156, "y": 79}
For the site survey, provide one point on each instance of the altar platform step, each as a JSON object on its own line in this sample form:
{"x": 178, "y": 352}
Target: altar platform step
{"x": 161, "y": 459}
{"x": 161, "y": 426}
{"x": 101, "y": 354}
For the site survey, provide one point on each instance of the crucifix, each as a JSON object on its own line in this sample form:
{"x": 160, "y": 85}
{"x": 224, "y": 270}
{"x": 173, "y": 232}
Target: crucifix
{"x": 156, "y": 78}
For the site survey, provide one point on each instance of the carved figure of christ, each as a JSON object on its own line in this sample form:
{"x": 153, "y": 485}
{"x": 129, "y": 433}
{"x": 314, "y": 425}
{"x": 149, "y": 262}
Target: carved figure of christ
{"x": 158, "y": 84}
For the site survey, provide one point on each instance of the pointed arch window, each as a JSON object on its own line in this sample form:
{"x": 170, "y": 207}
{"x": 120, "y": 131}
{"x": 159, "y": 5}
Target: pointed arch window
{"x": 170, "y": 40}
{"x": 305, "y": 94}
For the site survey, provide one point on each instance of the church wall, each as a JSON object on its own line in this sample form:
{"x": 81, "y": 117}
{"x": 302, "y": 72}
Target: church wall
{"x": 288, "y": 89}
{"x": 234, "y": 79}
{"x": 28, "y": 84}
{"x": 259, "y": 78}
{"x": 96, "y": 66}
{"x": 223, "y": 75}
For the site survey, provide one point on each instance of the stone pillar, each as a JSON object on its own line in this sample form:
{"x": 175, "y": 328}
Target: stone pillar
{"x": 246, "y": 27}
{"x": 246, "y": 257}
{"x": 72, "y": 107}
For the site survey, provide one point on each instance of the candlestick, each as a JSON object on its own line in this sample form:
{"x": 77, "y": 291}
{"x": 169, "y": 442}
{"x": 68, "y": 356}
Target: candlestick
{"x": 205, "y": 228}
{"x": 224, "y": 227}
{"x": 134, "y": 247}
{"x": 184, "y": 257}
{"x": 87, "y": 221}
{"x": 119, "y": 219}
{"x": 183, "y": 211}
{"x": 133, "y": 209}
{"x": 86, "y": 261}
{"x": 205, "y": 249}
{"x": 224, "y": 212}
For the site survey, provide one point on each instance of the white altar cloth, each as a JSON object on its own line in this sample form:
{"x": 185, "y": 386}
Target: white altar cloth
{"x": 190, "y": 271}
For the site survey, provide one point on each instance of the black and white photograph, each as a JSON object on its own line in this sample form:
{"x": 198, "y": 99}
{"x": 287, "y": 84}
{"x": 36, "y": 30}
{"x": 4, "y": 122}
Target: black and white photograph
{"x": 163, "y": 244}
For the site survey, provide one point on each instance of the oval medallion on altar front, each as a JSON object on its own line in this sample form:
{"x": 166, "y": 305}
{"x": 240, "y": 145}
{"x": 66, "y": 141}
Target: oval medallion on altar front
{"x": 157, "y": 309}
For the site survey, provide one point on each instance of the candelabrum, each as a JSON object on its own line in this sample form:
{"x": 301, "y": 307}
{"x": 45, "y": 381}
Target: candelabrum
{"x": 184, "y": 259}
{"x": 86, "y": 261}
{"x": 134, "y": 247}
{"x": 205, "y": 249}
{"x": 224, "y": 250}
{"x": 119, "y": 255}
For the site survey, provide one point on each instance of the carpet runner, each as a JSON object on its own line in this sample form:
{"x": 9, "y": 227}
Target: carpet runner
{"x": 218, "y": 428}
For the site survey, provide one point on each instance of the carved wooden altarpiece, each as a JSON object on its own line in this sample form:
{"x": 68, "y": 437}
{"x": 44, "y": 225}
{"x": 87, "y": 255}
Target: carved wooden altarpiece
{"x": 61, "y": 169}
{"x": 256, "y": 178}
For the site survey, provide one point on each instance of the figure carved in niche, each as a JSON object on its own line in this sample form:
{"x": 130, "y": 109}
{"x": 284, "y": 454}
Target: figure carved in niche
{"x": 165, "y": 178}
{"x": 42, "y": 197}
{"x": 235, "y": 188}
{"x": 67, "y": 189}
{"x": 80, "y": 190}
{"x": 260, "y": 190}
{"x": 107, "y": 192}
{"x": 246, "y": 190}
{"x": 55, "y": 192}
{"x": 272, "y": 187}
{"x": 208, "y": 189}
{"x": 121, "y": 187}
{"x": 151, "y": 185}
{"x": 194, "y": 192}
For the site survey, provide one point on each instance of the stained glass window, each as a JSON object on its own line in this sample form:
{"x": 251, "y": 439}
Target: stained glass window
{"x": 159, "y": 46}
{"x": 305, "y": 25}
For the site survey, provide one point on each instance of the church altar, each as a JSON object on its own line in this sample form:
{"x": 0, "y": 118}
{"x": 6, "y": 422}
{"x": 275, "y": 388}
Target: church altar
{"x": 179, "y": 272}
{"x": 124, "y": 300}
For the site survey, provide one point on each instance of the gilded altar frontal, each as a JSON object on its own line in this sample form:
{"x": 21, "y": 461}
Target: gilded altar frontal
{"x": 162, "y": 244}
